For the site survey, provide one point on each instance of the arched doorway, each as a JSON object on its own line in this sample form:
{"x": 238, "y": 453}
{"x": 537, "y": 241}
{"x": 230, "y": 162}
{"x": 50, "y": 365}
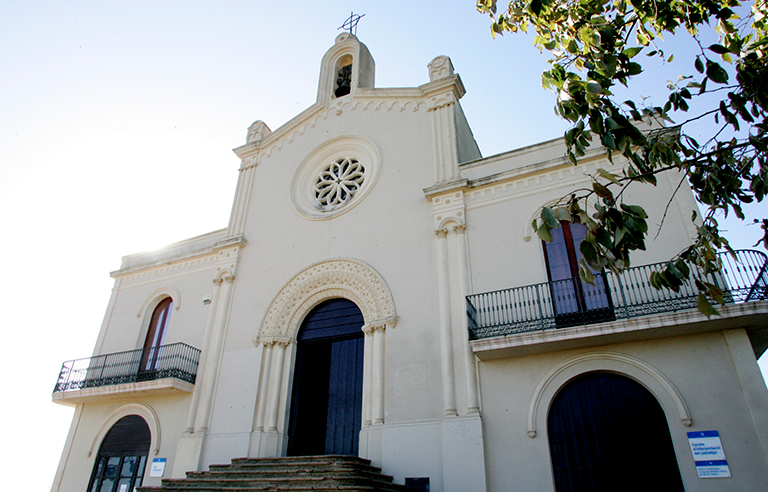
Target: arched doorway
{"x": 122, "y": 456}
{"x": 326, "y": 408}
{"x": 606, "y": 433}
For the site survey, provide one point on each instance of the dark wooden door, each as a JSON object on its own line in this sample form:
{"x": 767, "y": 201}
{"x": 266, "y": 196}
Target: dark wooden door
{"x": 326, "y": 408}
{"x": 608, "y": 433}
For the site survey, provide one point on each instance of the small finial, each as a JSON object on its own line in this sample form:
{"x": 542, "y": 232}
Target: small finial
{"x": 351, "y": 23}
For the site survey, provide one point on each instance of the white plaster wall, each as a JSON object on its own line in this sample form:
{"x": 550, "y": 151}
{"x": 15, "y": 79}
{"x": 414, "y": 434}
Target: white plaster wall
{"x": 505, "y": 251}
{"x": 699, "y": 366}
{"x": 124, "y": 330}
{"x": 390, "y": 230}
{"x": 93, "y": 416}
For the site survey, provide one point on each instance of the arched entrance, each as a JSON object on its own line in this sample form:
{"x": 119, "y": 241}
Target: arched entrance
{"x": 122, "y": 456}
{"x": 606, "y": 433}
{"x": 326, "y": 406}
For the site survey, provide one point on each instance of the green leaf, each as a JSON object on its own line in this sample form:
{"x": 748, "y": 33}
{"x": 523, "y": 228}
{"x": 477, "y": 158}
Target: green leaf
{"x": 717, "y": 48}
{"x": 562, "y": 213}
{"x": 698, "y": 65}
{"x": 635, "y": 210}
{"x": 586, "y": 275}
{"x": 632, "y": 52}
{"x": 594, "y": 88}
{"x": 606, "y": 175}
{"x": 634, "y": 68}
{"x": 705, "y": 307}
{"x": 716, "y": 73}
{"x": 544, "y": 233}
{"x": 602, "y": 191}
{"x": 548, "y": 216}
{"x": 588, "y": 251}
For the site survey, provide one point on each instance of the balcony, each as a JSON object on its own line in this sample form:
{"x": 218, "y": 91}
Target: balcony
{"x": 164, "y": 369}
{"x": 569, "y": 303}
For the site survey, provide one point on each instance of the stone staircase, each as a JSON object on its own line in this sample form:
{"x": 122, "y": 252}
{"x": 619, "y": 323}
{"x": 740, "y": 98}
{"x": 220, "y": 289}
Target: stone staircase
{"x": 299, "y": 474}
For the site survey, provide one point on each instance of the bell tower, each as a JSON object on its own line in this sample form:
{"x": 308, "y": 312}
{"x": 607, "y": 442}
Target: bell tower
{"x": 346, "y": 67}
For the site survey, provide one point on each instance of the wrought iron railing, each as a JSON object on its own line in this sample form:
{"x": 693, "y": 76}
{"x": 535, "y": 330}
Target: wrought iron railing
{"x": 177, "y": 360}
{"x": 571, "y": 302}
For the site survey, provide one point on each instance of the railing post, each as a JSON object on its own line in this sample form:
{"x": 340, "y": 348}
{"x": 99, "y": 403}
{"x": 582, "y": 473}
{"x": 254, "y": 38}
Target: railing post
{"x": 538, "y": 302}
{"x": 623, "y": 296}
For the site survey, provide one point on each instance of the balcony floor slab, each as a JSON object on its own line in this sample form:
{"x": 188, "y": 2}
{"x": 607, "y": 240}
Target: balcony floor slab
{"x": 752, "y": 316}
{"x": 166, "y": 386}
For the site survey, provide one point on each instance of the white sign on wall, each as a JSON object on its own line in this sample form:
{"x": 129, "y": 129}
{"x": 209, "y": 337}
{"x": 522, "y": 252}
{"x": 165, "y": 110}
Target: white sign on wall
{"x": 708, "y": 454}
{"x": 158, "y": 467}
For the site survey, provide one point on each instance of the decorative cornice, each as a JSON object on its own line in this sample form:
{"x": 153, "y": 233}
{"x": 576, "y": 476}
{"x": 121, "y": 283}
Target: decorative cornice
{"x": 451, "y": 83}
{"x": 445, "y": 187}
{"x": 510, "y": 186}
{"x": 185, "y": 260}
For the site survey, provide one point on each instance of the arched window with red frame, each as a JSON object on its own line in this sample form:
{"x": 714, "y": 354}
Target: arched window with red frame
{"x": 574, "y": 302}
{"x": 158, "y": 325}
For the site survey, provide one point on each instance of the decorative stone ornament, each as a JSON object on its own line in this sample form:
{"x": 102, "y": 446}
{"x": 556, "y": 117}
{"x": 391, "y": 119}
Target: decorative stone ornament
{"x": 335, "y": 177}
{"x": 440, "y": 67}
{"x": 339, "y": 182}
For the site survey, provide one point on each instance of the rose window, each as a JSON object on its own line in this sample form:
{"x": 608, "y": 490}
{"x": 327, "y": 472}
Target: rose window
{"x": 339, "y": 182}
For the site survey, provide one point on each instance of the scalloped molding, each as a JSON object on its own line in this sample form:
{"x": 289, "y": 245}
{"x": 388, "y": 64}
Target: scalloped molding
{"x": 142, "y": 410}
{"x": 626, "y": 365}
{"x": 341, "y": 277}
{"x": 336, "y": 110}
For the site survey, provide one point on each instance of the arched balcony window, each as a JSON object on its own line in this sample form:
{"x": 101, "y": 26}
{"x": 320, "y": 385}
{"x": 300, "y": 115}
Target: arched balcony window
{"x": 155, "y": 336}
{"x": 575, "y": 302}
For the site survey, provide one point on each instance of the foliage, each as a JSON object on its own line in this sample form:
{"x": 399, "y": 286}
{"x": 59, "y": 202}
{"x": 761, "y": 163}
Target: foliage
{"x": 595, "y": 45}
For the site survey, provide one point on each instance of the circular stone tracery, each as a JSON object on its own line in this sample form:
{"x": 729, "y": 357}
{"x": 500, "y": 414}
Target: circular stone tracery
{"x": 335, "y": 177}
{"x": 339, "y": 182}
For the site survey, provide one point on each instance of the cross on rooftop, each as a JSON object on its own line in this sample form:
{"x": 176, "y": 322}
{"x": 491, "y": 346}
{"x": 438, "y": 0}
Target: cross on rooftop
{"x": 351, "y": 23}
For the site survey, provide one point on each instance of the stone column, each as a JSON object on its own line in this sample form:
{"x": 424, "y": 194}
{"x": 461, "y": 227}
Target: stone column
{"x": 266, "y": 366}
{"x": 473, "y": 404}
{"x": 213, "y": 359}
{"x": 275, "y": 389}
{"x": 367, "y": 375}
{"x": 378, "y": 374}
{"x": 446, "y": 340}
{"x": 204, "y": 352}
{"x": 444, "y": 137}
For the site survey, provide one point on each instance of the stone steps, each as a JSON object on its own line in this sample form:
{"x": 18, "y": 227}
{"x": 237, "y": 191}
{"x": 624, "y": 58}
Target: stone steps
{"x": 290, "y": 474}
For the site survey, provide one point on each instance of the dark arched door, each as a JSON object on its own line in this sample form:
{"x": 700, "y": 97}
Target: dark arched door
{"x": 122, "y": 457}
{"x": 608, "y": 433}
{"x": 326, "y": 408}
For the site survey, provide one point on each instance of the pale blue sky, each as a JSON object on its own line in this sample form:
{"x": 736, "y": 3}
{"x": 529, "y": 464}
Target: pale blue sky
{"x": 117, "y": 121}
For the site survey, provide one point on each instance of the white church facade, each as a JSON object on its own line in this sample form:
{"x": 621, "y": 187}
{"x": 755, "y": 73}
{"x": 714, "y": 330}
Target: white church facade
{"x": 379, "y": 292}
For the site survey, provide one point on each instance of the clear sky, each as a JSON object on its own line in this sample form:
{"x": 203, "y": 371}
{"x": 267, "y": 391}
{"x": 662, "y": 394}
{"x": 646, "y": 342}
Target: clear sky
{"x": 117, "y": 121}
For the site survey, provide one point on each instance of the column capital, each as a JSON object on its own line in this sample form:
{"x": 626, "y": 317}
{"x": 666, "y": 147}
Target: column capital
{"x": 217, "y": 281}
{"x": 272, "y": 341}
{"x": 460, "y": 229}
{"x": 441, "y": 233}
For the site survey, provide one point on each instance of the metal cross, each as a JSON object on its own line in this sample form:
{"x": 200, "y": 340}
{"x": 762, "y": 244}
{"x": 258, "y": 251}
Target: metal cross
{"x": 351, "y": 23}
